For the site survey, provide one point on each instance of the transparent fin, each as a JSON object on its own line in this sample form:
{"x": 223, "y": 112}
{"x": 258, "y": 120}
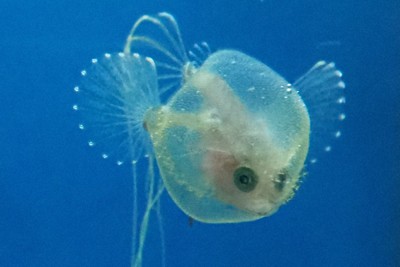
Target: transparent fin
{"x": 199, "y": 53}
{"x": 159, "y": 37}
{"x": 322, "y": 90}
{"x": 114, "y": 94}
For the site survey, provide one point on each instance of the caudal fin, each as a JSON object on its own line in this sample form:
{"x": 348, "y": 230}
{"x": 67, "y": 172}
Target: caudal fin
{"x": 115, "y": 92}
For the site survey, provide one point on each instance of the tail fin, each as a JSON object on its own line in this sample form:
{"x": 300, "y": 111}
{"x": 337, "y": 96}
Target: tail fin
{"x": 115, "y": 92}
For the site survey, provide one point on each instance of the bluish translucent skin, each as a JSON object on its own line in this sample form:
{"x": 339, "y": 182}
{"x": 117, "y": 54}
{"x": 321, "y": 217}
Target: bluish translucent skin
{"x": 233, "y": 112}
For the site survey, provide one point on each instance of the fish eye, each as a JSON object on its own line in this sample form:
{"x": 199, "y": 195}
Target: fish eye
{"x": 245, "y": 179}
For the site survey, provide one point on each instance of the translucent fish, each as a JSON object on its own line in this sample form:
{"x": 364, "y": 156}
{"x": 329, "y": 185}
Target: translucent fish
{"x": 232, "y": 142}
{"x": 230, "y": 136}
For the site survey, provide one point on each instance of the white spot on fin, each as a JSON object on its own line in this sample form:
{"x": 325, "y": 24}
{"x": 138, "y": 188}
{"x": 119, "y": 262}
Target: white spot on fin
{"x": 151, "y": 61}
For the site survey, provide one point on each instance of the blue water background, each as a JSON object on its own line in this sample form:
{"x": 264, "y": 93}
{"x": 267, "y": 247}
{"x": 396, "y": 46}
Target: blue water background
{"x": 61, "y": 205}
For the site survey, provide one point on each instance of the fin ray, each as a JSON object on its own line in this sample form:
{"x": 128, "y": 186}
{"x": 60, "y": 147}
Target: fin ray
{"x": 116, "y": 91}
{"x": 322, "y": 90}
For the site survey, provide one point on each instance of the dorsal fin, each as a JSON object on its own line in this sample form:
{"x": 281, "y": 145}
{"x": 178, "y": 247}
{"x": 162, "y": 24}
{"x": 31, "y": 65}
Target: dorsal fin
{"x": 159, "y": 37}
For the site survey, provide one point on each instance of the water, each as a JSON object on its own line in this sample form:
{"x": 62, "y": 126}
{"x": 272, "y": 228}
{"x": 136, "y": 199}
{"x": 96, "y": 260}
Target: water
{"x": 63, "y": 205}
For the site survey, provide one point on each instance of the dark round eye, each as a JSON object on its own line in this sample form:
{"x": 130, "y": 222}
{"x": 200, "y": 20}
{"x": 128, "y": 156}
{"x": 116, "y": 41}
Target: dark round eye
{"x": 245, "y": 179}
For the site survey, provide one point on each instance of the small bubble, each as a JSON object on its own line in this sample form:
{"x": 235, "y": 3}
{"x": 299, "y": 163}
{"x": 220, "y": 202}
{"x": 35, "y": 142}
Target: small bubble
{"x": 94, "y": 60}
{"x": 341, "y": 84}
{"x": 120, "y": 54}
{"x": 81, "y": 126}
{"x": 313, "y": 160}
{"x": 190, "y": 189}
{"x": 76, "y": 89}
{"x": 83, "y": 73}
{"x": 342, "y": 116}
{"x": 146, "y": 155}
{"x": 104, "y": 156}
{"x": 233, "y": 62}
{"x": 338, "y": 134}
{"x": 107, "y": 55}
{"x": 119, "y": 163}
{"x": 75, "y": 107}
{"x": 263, "y": 97}
{"x": 91, "y": 143}
{"x": 251, "y": 89}
{"x": 289, "y": 90}
{"x": 134, "y": 162}
{"x": 136, "y": 55}
{"x": 328, "y": 148}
